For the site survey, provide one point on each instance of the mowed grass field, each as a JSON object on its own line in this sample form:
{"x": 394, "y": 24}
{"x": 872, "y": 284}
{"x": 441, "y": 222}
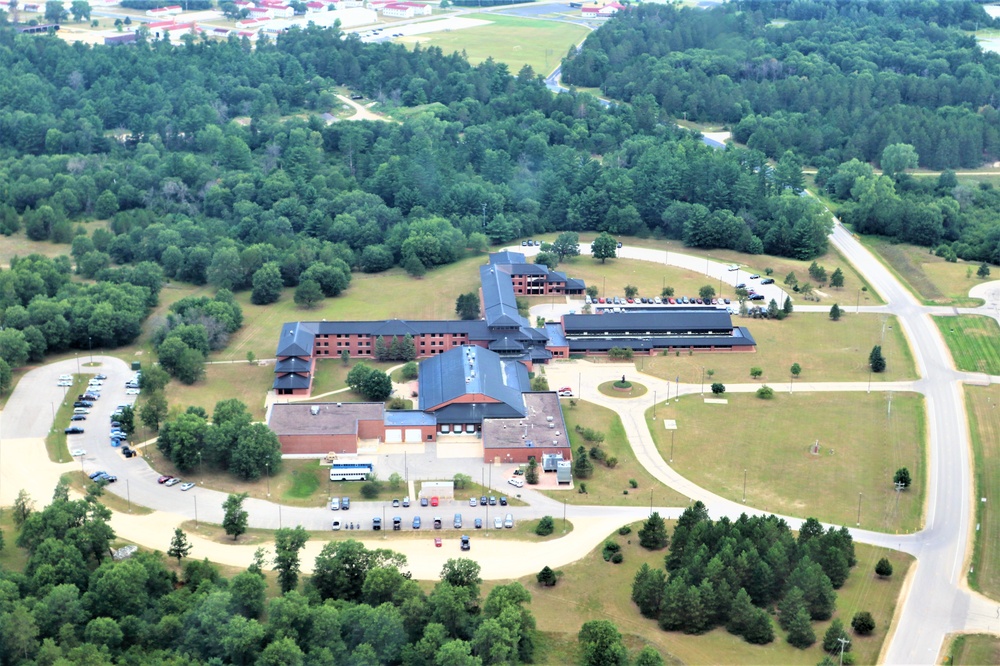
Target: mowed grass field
{"x": 974, "y": 342}
{"x": 933, "y": 280}
{"x": 984, "y": 426}
{"x": 974, "y": 650}
{"x": 863, "y": 438}
{"x": 827, "y": 351}
{"x": 514, "y": 40}
{"x": 591, "y": 589}
{"x": 243, "y": 381}
{"x": 606, "y": 486}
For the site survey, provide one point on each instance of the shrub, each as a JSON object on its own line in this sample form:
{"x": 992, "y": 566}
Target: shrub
{"x": 863, "y": 623}
{"x": 546, "y": 577}
{"x": 765, "y": 392}
{"x": 633, "y": 483}
{"x": 884, "y": 568}
{"x": 370, "y": 489}
{"x": 611, "y": 462}
{"x": 597, "y": 453}
{"x": 545, "y": 527}
{"x": 756, "y": 372}
{"x": 625, "y": 529}
{"x": 718, "y": 388}
{"x": 610, "y": 548}
{"x": 410, "y": 371}
{"x": 617, "y": 558}
{"x": 582, "y": 489}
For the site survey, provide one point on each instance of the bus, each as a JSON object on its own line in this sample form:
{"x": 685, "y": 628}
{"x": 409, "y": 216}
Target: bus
{"x": 350, "y": 470}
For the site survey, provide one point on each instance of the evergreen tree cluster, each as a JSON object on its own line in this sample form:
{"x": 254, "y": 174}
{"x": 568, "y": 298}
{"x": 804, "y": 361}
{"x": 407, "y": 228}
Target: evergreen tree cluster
{"x": 397, "y": 349}
{"x": 729, "y": 573}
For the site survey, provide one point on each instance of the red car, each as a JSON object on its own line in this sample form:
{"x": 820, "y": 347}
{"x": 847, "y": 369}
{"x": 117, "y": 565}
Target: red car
{"x": 434, "y": 501}
{"x": 164, "y": 478}
{"x": 437, "y": 543}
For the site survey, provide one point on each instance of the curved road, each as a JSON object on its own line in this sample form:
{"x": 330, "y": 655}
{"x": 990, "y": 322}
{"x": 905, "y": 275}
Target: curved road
{"x": 937, "y": 601}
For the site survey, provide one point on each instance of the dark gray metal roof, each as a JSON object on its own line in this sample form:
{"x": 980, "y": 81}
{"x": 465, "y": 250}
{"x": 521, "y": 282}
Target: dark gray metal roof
{"x": 507, "y": 257}
{"x": 555, "y": 333}
{"x": 470, "y": 370}
{"x": 292, "y": 364}
{"x": 475, "y": 413}
{"x": 296, "y": 339}
{"x": 740, "y": 337}
{"x": 291, "y": 382}
{"x": 670, "y": 321}
{"x": 499, "y": 302}
{"x": 524, "y": 269}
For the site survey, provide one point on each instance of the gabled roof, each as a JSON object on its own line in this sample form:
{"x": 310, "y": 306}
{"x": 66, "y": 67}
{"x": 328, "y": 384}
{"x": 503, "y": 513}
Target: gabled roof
{"x": 292, "y": 364}
{"x": 471, "y": 370}
{"x": 499, "y": 302}
{"x": 392, "y": 327}
{"x": 507, "y": 257}
{"x": 291, "y": 381}
{"x": 524, "y": 268}
{"x": 296, "y": 339}
{"x": 665, "y": 322}
{"x": 506, "y": 343}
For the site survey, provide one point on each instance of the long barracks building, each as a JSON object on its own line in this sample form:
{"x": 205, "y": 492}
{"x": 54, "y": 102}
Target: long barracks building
{"x": 505, "y": 332}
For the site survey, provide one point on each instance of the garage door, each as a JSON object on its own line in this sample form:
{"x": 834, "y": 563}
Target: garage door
{"x": 393, "y": 435}
{"x": 413, "y": 435}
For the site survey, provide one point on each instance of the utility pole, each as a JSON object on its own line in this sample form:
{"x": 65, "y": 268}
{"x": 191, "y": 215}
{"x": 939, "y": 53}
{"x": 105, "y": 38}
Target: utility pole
{"x": 654, "y": 405}
{"x": 672, "y": 433}
{"x": 859, "y": 509}
{"x": 484, "y": 215}
{"x": 843, "y": 643}
{"x": 744, "y": 485}
{"x": 703, "y": 380}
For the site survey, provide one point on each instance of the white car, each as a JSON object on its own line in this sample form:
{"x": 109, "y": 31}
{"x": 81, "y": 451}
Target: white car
{"x": 76, "y": 453}
{"x": 498, "y": 523}
{"x": 95, "y": 382}
{"x": 336, "y": 525}
{"x": 517, "y": 483}
{"x": 132, "y": 391}
{"x": 187, "y": 486}
{"x": 65, "y": 378}
{"x": 64, "y": 383}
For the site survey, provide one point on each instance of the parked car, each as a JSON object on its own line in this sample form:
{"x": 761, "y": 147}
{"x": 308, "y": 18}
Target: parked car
{"x": 74, "y": 430}
{"x": 437, "y": 522}
{"x": 406, "y": 502}
{"x": 756, "y": 297}
{"x": 423, "y": 501}
{"x": 517, "y": 483}
{"x": 434, "y": 501}
{"x": 493, "y": 500}
{"x": 107, "y": 478}
{"x": 741, "y": 285}
{"x": 395, "y": 503}
{"x": 416, "y": 522}
{"x": 754, "y": 277}
{"x": 172, "y": 481}
{"x": 565, "y": 392}
{"x": 132, "y": 391}
{"x": 619, "y": 245}
{"x": 187, "y": 486}
{"x": 458, "y": 521}
{"x": 336, "y": 525}
{"x": 437, "y": 542}
{"x": 478, "y": 522}
{"x": 465, "y": 543}
{"x": 334, "y": 504}
{"x": 76, "y": 453}
{"x": 377, "y": 524}
{"x": 472, "y": 501}
{"x": 83, "y": 403}
{"x": 164, "y": 478}
{"x": 78, "y": 417}
{"x": 397, "y": 523}
{"x": 483, "y": 500}
{"x": 94, "y": 475}
{"x": 345, "y": 503}
{"x": 64, "y": 383}
{"x": 503, "y": 501}
{"x": 101, "y": 377}
{"x": 767, "y": 281}
{"x": 497, "y": 523}
{"x": 508, "y": 522}
{"x": 657, "y": 300}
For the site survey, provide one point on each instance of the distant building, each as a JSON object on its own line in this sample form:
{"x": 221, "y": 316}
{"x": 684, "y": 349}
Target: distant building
{"x": 406, "y": 9}
{"x": 164, "y": 11}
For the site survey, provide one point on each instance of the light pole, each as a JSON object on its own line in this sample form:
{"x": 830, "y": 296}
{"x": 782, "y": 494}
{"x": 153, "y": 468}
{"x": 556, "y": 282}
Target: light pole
{"x": 703, "y": 380}
{"x": 196, "y": 511}
{"x": 267, "y": 467}
{"x": 654, "y": 405}
{"x": 843, "y": 643}
{"x": 672, "y": 433}
{"x": 744, "y": 485}
{"x": 90, "y": 343}
{"x": 651, "y": 501}
{"x": 859, "y": 509}
{"x": 857, "y": 308}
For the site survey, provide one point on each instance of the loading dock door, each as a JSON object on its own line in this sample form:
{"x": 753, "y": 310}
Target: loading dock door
{"x": 413, "y": 435}
{"x": 393, "y": 435}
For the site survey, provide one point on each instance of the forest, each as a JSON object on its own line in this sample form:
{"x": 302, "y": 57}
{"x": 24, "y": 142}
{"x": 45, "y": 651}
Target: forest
{"x": 212, "y": 165}
{"x": 73, "y": 604}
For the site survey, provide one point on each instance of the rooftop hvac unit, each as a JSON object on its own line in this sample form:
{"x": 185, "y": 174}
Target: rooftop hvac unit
{"x": 339, "y": 404}
{"x": 314, "y": 410}
{"x": 555, "y": 442}
{"x": 549, "y": 419}
{"x": 551, "y": 426}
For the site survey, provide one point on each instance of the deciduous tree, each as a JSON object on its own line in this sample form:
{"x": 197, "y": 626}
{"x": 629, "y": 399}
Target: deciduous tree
{"x": 288, "y": 542}
{"x": 235, "y": 518}
{"x": 179, "y": 546}
{"x": 604, "y": 247}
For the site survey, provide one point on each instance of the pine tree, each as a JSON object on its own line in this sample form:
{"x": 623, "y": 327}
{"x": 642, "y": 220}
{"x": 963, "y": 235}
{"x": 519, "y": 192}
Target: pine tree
{"x": 653, "y": 534}
{"x": 876, "y": 360}
{"x": 800, "y": 631}
{"x": 789, "y": 607}
{"x": 884, "y": 568}
{"x": 674, "y": 614}
{"x": 835, "y": 312}
{"x": 837, "y": 278}
{"x": 179, "y": 546}
{"x": 648, "y": 589}
{"x": 836, "y": 631}
{"x": 816, "y": 587}
{"x": 408, "y": 350}
{"x": 546, "y": 577}
{"x": 759, "y": 629}
{"x": 582, "y": 467}
{"x": 381, "y": 353}
{"x": 695, "y": 616}
{"x": 396, "y": 349}
{"x": 740, "y": 613}
{"x": 787, "y": 307}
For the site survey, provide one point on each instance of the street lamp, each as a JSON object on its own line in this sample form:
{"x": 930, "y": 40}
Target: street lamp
{"x": 90, "y": 343}
{"x": 654, "y": 405}
{"x": 859, "y": 509}
{"x": 672, "y": 433}
{"x": 267, "y": 467}
{"x": 703, "y": 380}
{"x": 744, "y": 485}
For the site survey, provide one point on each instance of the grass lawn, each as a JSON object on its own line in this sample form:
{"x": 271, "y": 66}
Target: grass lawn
{"x": 756, "y": 263}
{"x": 984, "y": 425}
{"x": 331, "y": 374}
{"x": 606, "y": 486}
{"x": 56, "y": 444}
{"x": 291, "y": 485}
{"x": 223, "y": 381}
{"x": 369, "y": 298}
{"x": 933, "y": 280}
{"x": 594, "y": 589}
{"x": 514, "y": 40}
{"x": 973, "y": 342}
{"x": 634, "y": 391}
{"x": 19, "y": 245}
{"x": 842, "y": 356}
{"x": 863, "y": 439}
{"x": 973, "y": 649}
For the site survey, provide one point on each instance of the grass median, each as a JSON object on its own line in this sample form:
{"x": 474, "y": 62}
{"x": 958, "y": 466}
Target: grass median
{"x": 766, "y": 447}
{"x": 932, "y": 279}
{"x": 594, "y": 589}
{"x": 56, "y": 442}
{"x": 974, "y": 342}
{"x": 973, "y": 649}
{"x": 827, "y": 351}
{"x": 984, "y": 427}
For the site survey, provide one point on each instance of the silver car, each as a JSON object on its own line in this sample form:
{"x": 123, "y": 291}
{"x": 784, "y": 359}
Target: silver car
{"x": 497, "y": 523}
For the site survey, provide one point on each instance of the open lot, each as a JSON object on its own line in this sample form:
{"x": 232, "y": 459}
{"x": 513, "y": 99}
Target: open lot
{"x": 594, "y": 589}
{"x": 984, "y": 426}
{"x": 513, "y": 40}
{"x": 241, "y": 380}
{"x": 827, "y": 351}
{"x": 932, "y": 279}
{"x": 863, "y": 439}
{"x": 607, "y": 485}
{"x": 974, "y": 342}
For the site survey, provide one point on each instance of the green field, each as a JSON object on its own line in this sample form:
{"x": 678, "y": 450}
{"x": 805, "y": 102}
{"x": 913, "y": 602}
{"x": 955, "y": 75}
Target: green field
{"x": 984, "y": 426}
{"x": 841, "y": 355}
{"x": 594, "y": 589}
{"x": 974, "y": 342}
{"x": 58, "y": 443}
{"x": 863, "y": 440}
{"x": 606, "y": 486}
{"x": 513, "y": 40}
{"x": 974, "y": 650}
{"x": 932, "y": 279}
{"x": 246, "y": 382}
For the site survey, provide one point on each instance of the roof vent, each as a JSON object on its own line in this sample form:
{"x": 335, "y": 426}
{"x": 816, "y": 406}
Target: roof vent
{"x": 339, "y": 404}
{"x": 314, "y": 410}
{"x": 551, "y": 426}
{"x": 549, "y": 419}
